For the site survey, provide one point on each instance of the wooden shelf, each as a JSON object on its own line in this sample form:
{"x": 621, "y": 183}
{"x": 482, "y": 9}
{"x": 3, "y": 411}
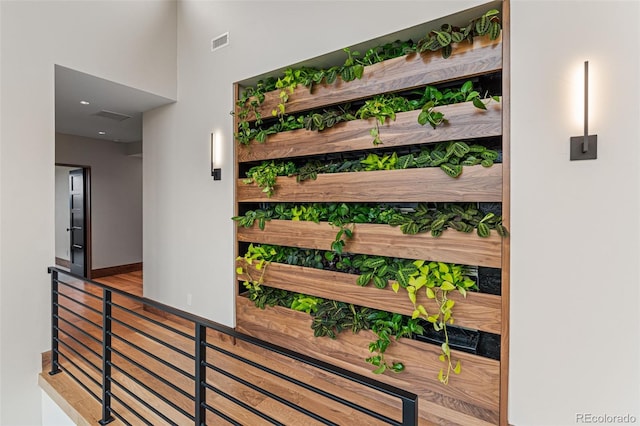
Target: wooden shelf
{"x": 474, "y": 392}
{"x": 484, "y": 56}
{"x": 465, "y": 121}
{"x": 382, "y": 240}
{"x": 477, "y": 311}
{"x": 476, "y": 184}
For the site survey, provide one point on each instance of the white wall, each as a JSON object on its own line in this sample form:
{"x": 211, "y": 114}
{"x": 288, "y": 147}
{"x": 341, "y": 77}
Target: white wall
{"x": 188, "y": 237}
{"x": 116, "y": 197}
{"x": 132, "y": 43}
{"x": 52, "y": 414}
{"x": 62, "y": 214}
{"x": 575, "y": 225}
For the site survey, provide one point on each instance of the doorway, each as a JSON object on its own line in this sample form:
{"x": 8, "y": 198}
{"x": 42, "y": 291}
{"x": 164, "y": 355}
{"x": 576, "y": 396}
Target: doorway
{"x": 73, "y": 218}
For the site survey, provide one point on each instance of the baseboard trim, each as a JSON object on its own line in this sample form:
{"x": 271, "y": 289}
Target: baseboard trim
{"x": 115, "y": 270}
{"x": 165, "y": 315}
{"x": 63, "y": 262}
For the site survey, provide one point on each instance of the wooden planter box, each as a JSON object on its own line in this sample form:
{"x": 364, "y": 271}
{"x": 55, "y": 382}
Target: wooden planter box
{"x": 476, "y": 184}
{"x": 404, "y": 73}
{"x": 464, "y": 121}
{"x": 477, "y": 311}
{"x": 382, "y": 240}
{"x": 472, "y": 395}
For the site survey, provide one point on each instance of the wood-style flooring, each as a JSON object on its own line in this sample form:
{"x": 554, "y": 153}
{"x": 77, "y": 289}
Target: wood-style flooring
{"x": 137, "y": 353}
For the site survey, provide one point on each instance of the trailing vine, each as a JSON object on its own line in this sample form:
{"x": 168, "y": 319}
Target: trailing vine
{"x": 425, "y": 217}
{"x": 438, "y": 279}
{"x": 380, "y": 107}
{"x": 449, "y": 156}
{"x": 442, "y": 39}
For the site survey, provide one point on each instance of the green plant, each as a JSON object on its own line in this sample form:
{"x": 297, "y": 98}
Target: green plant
{"x": 438, "y": 279}
{"x": 443, "y": 40}
{"x": 353, "y": 67}
{"x": 333, "y": 317}
{"x": 387, "y": 325}
{"x": 304, "y": 303}
{"x": 425, "y": 217}
{"x": 383, "y": 107}
{"x": 265, "y": 174}
{"x": 432, "y": 97}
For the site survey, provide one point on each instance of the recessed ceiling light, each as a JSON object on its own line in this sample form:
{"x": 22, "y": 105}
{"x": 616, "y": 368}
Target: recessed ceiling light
{"x": 102, "y": 132}
{"x": 84, "y": 102}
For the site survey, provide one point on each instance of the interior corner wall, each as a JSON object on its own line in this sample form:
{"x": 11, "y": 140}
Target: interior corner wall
{"x": 574, "y": 225}
{"x": 132, "y": 43}
{"x": 188, "y": 237}
{"x": 116, "y": 197}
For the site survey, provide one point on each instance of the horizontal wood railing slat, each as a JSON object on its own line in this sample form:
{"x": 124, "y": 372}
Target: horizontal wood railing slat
{"x": 404, "y": 73}
{"x": 382, "y": 240}
{"x": 465, "y": 121}
{"x": 476, "y": 184}
{"x": 477, "y": 311}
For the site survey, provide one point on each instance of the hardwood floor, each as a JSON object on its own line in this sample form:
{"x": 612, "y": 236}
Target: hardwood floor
{"x": 138, "y": 352}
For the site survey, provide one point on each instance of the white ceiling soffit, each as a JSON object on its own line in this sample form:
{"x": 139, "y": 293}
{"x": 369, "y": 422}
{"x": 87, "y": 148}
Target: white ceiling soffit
{"x": 112, "y": 108}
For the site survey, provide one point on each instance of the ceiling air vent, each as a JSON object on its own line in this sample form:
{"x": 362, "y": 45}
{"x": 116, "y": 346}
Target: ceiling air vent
{"x": 220, "y": 41}
{"x": 112, "y": 115}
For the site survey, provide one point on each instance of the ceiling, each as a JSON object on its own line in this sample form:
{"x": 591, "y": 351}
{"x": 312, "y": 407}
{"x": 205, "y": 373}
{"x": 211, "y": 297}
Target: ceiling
{"x": 104, "y": 97}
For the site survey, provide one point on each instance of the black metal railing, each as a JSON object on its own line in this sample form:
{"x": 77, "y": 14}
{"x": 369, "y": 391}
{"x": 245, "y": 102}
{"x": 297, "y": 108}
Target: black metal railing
{"x": 120, "y": 355}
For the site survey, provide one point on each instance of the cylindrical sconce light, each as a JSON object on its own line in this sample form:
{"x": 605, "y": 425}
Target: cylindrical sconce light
{"x": 585, "y": 147}
{"x": 216, "y": 172}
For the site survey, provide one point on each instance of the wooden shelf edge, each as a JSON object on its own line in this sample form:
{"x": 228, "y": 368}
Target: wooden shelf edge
{"x": 477, "y": 311}
{"x": 465, "y": 121}
{"x": 404, "y": 73}
{"x": 382, "y": 240}
{"x": 476, "y": 184}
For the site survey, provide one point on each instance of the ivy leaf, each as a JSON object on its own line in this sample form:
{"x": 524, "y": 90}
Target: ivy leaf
{"x": 477, "y": 102}
{"x": 395, "y": 287}
{"x": 457, "y": 368}
{"x": 380, "y": 369}
{"x": 430, "y": 293}
{"x": 358, "y": 70}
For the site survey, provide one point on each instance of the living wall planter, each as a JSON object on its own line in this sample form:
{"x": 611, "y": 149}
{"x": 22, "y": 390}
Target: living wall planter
{"x": 473, "y": 395}
{"x": 382, "y": 240}
{"x": 477, "y": 311}
{"x": 477, "y": 396}
{"x": 464, "y": 121}
{"x": 404, "y": 73}
{"x": 476, "y": 184}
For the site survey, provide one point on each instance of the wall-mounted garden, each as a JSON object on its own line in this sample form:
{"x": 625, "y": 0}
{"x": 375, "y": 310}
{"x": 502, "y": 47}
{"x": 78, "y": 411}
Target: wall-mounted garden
{"x": 359, "y": 218}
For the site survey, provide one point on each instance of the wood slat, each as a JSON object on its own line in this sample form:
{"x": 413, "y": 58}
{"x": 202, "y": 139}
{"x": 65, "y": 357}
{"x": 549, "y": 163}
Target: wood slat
{"x": 406, "y": 72}
{"x": 474, "y": 392}
{"x": 476, "y": 184}
{"x": 477, "y": 311}
{"x": 382, "y": 240}
{"x": 465, "y": 121}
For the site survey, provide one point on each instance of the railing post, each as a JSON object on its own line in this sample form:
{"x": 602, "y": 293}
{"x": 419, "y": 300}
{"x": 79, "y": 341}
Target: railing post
{"x": 409, "y": 411}
{"x": 55, "y": 366}
{"x": 200, "y": 374}
{"x": 106, "y": 357}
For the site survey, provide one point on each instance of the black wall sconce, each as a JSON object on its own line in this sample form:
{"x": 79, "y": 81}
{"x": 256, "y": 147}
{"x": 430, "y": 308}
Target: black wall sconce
{"x": 216, "y": 172}
{"x": 585, "y": 147}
